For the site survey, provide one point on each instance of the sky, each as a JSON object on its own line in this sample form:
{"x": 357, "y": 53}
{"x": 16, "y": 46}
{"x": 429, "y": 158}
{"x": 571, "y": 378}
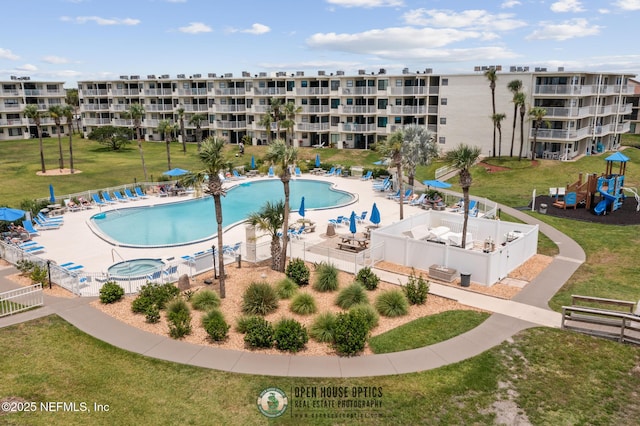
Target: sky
{"x": 76, "y": 40}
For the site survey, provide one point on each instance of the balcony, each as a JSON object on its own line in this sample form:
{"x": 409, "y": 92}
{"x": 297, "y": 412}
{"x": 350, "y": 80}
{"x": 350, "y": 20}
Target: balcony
{"x": 358, "y": 91}
{"x": 151, "y": 123}
{"x": 357, "y": 128}
{"x": 232, "y": 91}
{"x": 407, "y": 110}
{"x": 195, "y": 107}
{"x": 269, "y": 91}
{"x": 408, "y": 90}
{"x": 14, "y": 122}
{"x": 93, "y": 107}
{"x": 358, "y": 109}
{"x": 580, "y": 90}
{"x": 157, "y": 92}
{"x": 228, "y": 108}
{"x": 312, "y": 127}
{"x": 11, "y": 92}
{"x": 312, "y": 91}
{"x": 197, "y": 91}
{"x": 122, "y": 122}
{"x": 95, "y": 92}
{"x": 220, "y": 124}
{"x": 33, "y": 92}
{"x": 315, "y": 109}
{"x": 14, "y": 107}
{"x": 260, "y": 109}
{"x": 392, "y": 128}
{"x": 575, "y": 112}
{"x": 158, "y": 107}
{"x": 119, "y": 107}
{"x": 125, "y": 92}
{"x": 96, "y": 121}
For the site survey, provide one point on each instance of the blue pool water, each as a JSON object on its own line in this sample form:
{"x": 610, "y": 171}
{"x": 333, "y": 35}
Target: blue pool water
{"x": 135, "y": 267}
{"x": 194, "y": 220}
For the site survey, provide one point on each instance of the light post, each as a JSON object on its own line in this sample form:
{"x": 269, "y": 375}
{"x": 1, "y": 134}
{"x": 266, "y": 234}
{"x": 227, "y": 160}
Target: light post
{"x": 213, "y": 253}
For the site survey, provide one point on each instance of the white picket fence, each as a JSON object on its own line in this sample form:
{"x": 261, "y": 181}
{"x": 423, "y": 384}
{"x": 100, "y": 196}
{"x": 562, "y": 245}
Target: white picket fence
{"x": 22, "y": 299}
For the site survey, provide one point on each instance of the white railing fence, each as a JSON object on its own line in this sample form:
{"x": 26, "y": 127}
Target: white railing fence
{"x": 22, "y": 299}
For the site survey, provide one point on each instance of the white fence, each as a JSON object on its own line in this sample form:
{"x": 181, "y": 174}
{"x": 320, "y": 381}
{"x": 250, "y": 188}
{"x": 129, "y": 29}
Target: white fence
{"x": 22, "y": 299}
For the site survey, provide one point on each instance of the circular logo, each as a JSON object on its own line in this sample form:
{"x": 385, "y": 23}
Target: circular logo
{"x": 273, "y": 402}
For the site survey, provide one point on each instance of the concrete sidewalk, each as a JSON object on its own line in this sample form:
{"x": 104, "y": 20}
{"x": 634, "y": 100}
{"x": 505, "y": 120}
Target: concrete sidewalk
{"x": 528, "y": 309}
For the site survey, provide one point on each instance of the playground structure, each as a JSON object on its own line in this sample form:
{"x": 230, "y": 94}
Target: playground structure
{"x": 609, "y": 187}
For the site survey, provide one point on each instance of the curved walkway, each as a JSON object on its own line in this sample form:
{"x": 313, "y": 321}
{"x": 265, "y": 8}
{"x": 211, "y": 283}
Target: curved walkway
{"x": 528, "y": 309}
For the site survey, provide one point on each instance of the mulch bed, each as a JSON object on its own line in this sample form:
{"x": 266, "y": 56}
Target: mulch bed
{"x": 625, "y": 215}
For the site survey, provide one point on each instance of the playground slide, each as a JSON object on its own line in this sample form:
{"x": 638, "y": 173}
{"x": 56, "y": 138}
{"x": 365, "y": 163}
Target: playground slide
{"x": 602, "y": 206}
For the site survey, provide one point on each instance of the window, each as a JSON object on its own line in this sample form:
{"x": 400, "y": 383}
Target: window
{"x": 443, "y": 101}
{"x": 398, "y": 83}
{"x": 443, "y": 120}
{"x": 382, "y": 84}
{"x": 442, "y": 139}
{"x": 349, "y": 83}
{"x": 445, "y": 81}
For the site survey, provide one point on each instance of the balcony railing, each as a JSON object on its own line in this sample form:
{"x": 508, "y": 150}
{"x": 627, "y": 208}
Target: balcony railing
{"x": 11, "y": 92}
{"x": 228, "y": 108}
{"x": 96, "y": 121}
{"x": 312, "y": 127}
{"x": 158, "y": 107}
{"x": 260, "y": 108}
{"x": 357, "y": 128}
{"x": 119, "y": 107}
{"x": 95, "y": 92}
{"x": 122, "y": 122}
{"x": 577, "y": 89}
{"x": 157, "y": 92}
{"x": 219, "y": 124}
{"x": 232, "y": 91}
{"x": 315, "y": 109}
{"x": 358, "y": 109}
{"x": 12, "y": 107}
{"x": 269, "y": 91}
{"x": 348, "y": 91}
{"x": 14, "y": 122}
{"x": 32, "y": 92}
{"x": 312, "y": 91}
{"x": 408, "y": 90}
{"x": 93, "y": 107}
{"x": 196, "y": 91}
{"x": 125, "y": 92}
{"x": 407, "y": 109}
{"x": 196, "y": 107}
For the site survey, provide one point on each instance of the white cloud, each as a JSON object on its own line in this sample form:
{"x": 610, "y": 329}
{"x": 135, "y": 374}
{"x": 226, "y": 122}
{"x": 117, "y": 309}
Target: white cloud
{"x": 509, "y": 4}
{"x": 567, "y": 6}
{"x": 52, "y": 59}
{"x": 473, "y": 19}
{"x": 8, "y": 54}
{"x": 366, "y": 3}
{"x": 257, "y": 29}
{"x": 564, "y": 31}
{"x": 195, "y": 28}
{"x": 100, "y": 21}
{"x": 628, "y": 4}
{"x": 27, "y": 67}
{"x": 604, "y": 11}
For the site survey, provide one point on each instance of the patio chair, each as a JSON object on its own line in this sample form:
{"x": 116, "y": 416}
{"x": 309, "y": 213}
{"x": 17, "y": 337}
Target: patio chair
{"x": 367, "y": 176}
{"x": 237, "y": 175}
{"x": 418, "y": 201}
{"x": 394, "y": 195}
{"x": 331, "y": 172}
{"x": 336, "y": 222}
{"x": 52, "y": 220}
{"x": 297, "y": 171}
{"x": 231, "y": 250}
{"x": 28, "y": 226}
{"x": 155, "y": 276}
{"x": 362, "y": 217}
{"x": 271, "y": 172}
{"x": 338, "y": 172}
{"x": 377, "y": 185}
{"x": 97, "y": 200}
{"x": 71, "y": 206}
{"x": 296, "y": 233}
{"x": 42, "y": 225}
{"x": 119, "y": 197}
{"x": 129, "y": 195}
{"x": 169, "y": 273}
{"x": 140, "y": 194}
{"x": 107, "y": 198}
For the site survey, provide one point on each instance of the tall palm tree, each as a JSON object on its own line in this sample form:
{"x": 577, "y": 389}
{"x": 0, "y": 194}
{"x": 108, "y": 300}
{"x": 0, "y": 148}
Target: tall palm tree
{"x": 180, "y": 112}
{"x": 462, "y": 158}
{"x": 68, "y": 113}
{"x": 32, "y": 113}
{"x": 283, "y": 155}
{"x": 55, "y": 112}
{"x": 419, "y": 149}
{"x": 266, "y": 121}
{"x": 497, "y": 120}
{"x": 136, "y": 113}
{"x": 196, "y": 120}
{"x": 277, "y": 115}
{"x": 167, "y": 129}
{"x": 72, "y": 99}
{"x": 492, "y": 77}
{"x": 392, "y": 149}
{"x": 270, "y": 219}
{"x": 290, "y": 110}
{"x": 514, "y": 86}
{"x": 522, "y": 104}
{"x": 537, "y": 114}
{"x": 212, "y": 157}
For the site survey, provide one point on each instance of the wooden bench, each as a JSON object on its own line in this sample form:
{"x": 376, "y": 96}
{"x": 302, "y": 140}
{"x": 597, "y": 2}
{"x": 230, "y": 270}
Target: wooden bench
{"x": 442, "y": 273}
{"x": 614, "y": 325}
{"x": 350, "y": 247}
{"x": 627, "y": 305}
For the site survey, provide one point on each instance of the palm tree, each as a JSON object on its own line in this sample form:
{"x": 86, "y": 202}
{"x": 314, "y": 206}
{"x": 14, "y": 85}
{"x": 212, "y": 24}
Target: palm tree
{"x": 492, "y": 77}
{"x": 136, "y": 113}
{"x": 68, "y": 113}
{"x": 280, "y": 153}
{"x": 522, "y": 103}
{"x": 72, "y": 99}
{"x": 270, "y": 219}
{"x": 167, "y": 128}
{"x": 514, "y": 86}
{"x": 212, "y": 157}
{"x": 196, "y": 120}
{"x": 290, "y": 111}
{"x": 277, "y": 115}
{"x": 462, "y": 158}
{"x": 497, "y": 118}
{"x": 266, "y": 121}
{"x": 32, "y": 113}
{"x": 180, "y": 112}
{"x": 537, "y": 114}
{"x": 55, "y": 112}
{"x": 392, "y": 149}
{"x": 419, "y": 149}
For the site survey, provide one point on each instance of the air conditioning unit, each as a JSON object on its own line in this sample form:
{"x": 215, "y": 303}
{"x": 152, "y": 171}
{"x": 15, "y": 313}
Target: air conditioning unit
{"x": 428, "y": 70}
{"x": 164, "y": 76}
{"x": 197, "y": 76}
{"x": 228, "y": 75}
{"x": 321, "y": 72}
{"x": 151, "y": 76}
{"x": 512, "y": 69}
{"x": 263, "y": 74}
{"x": 560, "y": 69}
{"x": 299, "y": 73}
{"x": 339, "y": 72}
{"x": 361, "y": 72}
{"x": 180, "y": 76}
{"x": 405, "y": 71}
{"x": 124, "y": 77}
{"x": 246, "y": 74}
{"x": 135, "y": 77}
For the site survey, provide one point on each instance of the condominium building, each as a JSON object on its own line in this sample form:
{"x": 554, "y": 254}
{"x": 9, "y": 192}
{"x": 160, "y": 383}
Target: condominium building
{"x": 18, "y": 92}
{"x": 585, "y": 111}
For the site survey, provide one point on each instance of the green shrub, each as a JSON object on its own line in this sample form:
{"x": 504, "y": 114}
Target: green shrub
{"x": 25, "y": 266}
{"x": 154, "y": 294}
{"x": 141, "y": 304}
{"x": 111, "y": 292}
{"x": 286, "y": 288}
{"x": 368, "y": 312}
{"x": 323, "y": 327}
{"x": 179, "y": 317}
{"x": 303, "y": 304}
{"x": 368, "y": 278}
{"x": 392, "y": 303}
{"x": 244, "y": 322}
{"x": 416, "y": 289}
{"x": 326, "y": 277}
{"x": 215, "y": 325}
{"x": 152, "y": 314}
{"x": 259, "y": 334}
{"x": 351, "y": 295}
{"x": 259, "y": 299}
{"x": 290, "y": 335}
{"x": 350, "y": 333}
{"x": 39, "y": 275}
{"x": 205, "y": 300}
{"x": 298, "y": 271}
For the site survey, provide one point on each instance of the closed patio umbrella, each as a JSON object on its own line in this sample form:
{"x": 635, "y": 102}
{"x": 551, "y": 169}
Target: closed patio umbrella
{"x": 375, "y": 215}
{"x": 352, "y": 223}
{"x": 317, "y": 160}
{"x": 52, "y": 195}
{"x": 253, "y": 162}
{"x": 301, "y": 211}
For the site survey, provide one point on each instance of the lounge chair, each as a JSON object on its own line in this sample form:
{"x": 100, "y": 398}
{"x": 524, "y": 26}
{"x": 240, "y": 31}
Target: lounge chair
{"x": 271, "y": 173}
{"x": 296, "y": 233}
{"x": 107, "y": 198}
{"x": 418, "y": 201}
{"x": 97, "y": 200}
{"x": 331, "y": 172}
{"x": 237, "y": 175}
{"x": 337, "y": 222}
{"x": 362, "y": 217}
{"x": 231, "y": 250}
{"x": 59, "y": 221}
{"x": 162, "y": 191}
{"x": 119, "y": 197}
{"x": 71, "y": 206}
{"x": 394, "y": 195}
{"x": 338, "y": 172}
{"x": 154, "y": 276}
{"x": 129, "y": 195}
{"x": 297, "y": 172}
{"x": 70, "y": 266}
{"x": 140, "y": 194}
{"x": 367, "y": 176}
{"x": 33, "y": 249}
{"x": 406, "y": 196}
{"x": 169, "y": 273}
{"x": 42, "y": 225}
{"x": 28, "y": 226}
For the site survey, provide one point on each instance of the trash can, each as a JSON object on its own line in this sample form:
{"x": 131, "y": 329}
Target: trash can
{"x": 331, "y": 230}
{"x": 465, "y": 279}
{"x": 542, "y": 209}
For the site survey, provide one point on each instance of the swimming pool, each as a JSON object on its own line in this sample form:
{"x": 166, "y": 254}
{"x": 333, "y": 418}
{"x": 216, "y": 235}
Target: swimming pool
{"x": 194, "y": 220}
{"x": 135, "y": 267}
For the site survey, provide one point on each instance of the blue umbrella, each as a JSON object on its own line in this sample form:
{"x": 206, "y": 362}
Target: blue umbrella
{"x": 176, "y": 172}
{"x": 381, "y": 162}
{"x": 253, "y": 162}
{"x": 52, "y": 196}
{"x": 301, "y": 210}
{"x": 437, "y": 183}
{"x": 317, "y": 160}
{"x": 9, "y": 215}
{"x": 352, "y": 223}
{"x": 375, "y": 215}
